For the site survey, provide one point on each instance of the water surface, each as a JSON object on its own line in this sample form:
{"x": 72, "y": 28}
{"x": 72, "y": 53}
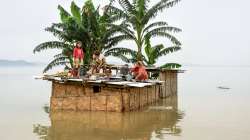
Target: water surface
{"x": 200, "y": 111}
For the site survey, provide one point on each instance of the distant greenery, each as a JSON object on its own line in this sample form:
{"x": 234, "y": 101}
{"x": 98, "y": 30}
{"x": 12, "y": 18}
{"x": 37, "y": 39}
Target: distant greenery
{"x": 129, "y": 21}
{"x": 16, "y": 63}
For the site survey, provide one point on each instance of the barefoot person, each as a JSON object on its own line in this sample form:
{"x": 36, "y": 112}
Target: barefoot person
{"x": 78, "y": 56}
{"x": 98, "y": 63}
{"x": 139, "y": 71}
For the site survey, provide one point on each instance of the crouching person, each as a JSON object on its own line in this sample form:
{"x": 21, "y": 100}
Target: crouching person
{"x": 139, "y": 71}
{"x": 98, "y": 64}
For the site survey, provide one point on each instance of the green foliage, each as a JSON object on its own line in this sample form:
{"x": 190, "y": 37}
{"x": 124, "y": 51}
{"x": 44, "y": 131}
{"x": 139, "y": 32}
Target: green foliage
{"x": 152, "y": 54}
{"x": 63, "y": 14}
{"x": 85, "y": 25}
{"x": 50, "y": 45}
{"x": 125, "y": 54}
{"x": 102, "y": 32}
{"x": 76, "y": 12}
{"x": 155, "y": 52}
{"x": 135, "y": 17}
{"x": 171, "y": 66}
{"x": 63, "y": 60}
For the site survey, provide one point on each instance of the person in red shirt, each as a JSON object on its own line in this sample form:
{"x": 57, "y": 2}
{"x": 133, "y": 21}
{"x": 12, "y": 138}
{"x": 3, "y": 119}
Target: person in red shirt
{"x": 78, "y": 56}
{"x": 139, "y": 71}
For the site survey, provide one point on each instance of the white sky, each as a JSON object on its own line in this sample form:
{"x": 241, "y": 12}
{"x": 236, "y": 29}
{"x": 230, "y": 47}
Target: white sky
{"x": 214, "y": 31}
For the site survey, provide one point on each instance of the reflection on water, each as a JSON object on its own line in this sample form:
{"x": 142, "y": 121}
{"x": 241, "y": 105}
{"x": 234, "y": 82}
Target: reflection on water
{"x": 153, "y": 122}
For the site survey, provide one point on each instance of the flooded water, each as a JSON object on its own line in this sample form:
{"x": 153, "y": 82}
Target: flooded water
{"x": 201, "y": 111}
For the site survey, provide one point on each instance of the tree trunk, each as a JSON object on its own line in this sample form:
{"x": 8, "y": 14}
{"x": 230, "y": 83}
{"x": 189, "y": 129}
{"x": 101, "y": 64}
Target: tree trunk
{"x": 139, "y": 54}
{"x": 139, "y": 46}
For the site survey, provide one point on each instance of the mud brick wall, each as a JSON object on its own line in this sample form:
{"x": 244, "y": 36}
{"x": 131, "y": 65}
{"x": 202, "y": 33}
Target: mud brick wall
{"x": 98, "y": 103}
{"x": 84, "y": 103}
{"x": 76, "y": 96}
{"x": 169, "y": 87}
{"x": 68, "y": 89}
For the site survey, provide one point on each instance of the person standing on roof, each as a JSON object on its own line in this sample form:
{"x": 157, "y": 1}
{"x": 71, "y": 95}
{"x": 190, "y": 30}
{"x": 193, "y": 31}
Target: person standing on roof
{"x": 78, "y": 56}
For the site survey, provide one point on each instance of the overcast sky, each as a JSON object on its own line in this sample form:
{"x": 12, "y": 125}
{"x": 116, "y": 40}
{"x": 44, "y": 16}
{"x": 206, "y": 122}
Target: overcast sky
{"x": 214, "y": 31}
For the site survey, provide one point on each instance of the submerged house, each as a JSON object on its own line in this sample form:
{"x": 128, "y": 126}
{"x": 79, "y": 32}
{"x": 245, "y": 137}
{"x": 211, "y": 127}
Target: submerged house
{"x": 113, "y": 96}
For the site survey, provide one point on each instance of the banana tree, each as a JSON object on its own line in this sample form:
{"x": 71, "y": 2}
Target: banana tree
{"x": 149, "y": 57}
{"x": 157, "y": 51}
{"x": 80, "y": 24}
{"x": 135, "y": 17}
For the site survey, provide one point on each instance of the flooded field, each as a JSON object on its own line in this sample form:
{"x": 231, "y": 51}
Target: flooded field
{"x": 200, "y": 111}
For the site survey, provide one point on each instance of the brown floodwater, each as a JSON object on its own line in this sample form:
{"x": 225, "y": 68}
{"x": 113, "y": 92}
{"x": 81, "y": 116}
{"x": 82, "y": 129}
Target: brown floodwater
{"x": 152, "y": 122}
{"x": 200, "y": 111}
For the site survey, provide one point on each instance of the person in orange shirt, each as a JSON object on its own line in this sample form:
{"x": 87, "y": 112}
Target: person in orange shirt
{"x": 139, "y": 71}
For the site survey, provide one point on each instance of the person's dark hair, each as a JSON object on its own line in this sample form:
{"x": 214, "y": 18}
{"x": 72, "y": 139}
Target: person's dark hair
{"x": 78, "y": 42}
{"x": 97, "y": 53}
